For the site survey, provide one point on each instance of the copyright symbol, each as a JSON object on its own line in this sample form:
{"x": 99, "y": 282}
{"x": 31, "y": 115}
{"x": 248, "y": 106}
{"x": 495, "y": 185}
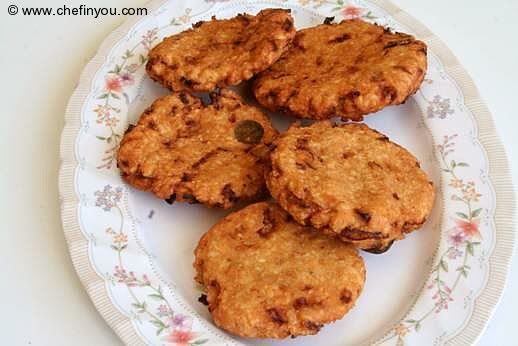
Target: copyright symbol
{"x": 12, "y": 9}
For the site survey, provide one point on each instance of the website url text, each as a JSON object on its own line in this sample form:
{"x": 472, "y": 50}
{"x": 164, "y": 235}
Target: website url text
{"x": 81, "y": 10}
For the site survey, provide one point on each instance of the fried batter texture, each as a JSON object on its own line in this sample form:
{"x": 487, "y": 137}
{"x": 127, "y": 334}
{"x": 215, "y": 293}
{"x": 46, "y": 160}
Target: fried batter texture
{"x": 351, "y": 182}
{"x": 185, "y": 151}
{"x": 343, "y": 70}
{"x": 221, "y": 52}
{"x": 269, "y": 277}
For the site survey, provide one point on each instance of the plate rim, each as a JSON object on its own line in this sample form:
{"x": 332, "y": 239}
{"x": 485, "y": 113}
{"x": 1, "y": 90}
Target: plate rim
{"x": 499, "y": 175}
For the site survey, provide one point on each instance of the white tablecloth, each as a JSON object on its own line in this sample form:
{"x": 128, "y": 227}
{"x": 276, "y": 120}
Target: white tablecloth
{"x": 42, "y": 300}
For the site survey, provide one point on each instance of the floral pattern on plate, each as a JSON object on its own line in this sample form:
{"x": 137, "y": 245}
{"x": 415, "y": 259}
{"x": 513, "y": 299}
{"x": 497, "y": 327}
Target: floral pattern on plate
{"x": 156, "y": 312}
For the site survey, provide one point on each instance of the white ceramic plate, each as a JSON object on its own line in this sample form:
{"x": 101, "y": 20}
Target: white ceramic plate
{"x": 134, "y": 253}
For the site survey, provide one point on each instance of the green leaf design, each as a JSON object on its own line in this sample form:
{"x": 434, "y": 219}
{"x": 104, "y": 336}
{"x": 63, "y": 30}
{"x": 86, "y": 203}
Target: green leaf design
{"x": 369, "y": 15}
{"x": 444, "y": 265}
{"x": 199, "y": 342}
{"x": 453, "y": 164}
{"x": 114, "y": 247}
{"x": 340, "y": 2}
{"x": 117, "y": 68}
{"x": 417, "y": 326}
{"x": 103, "y": 96}
{"x": 101, "y": 138}
{"x": 470, "y": 248}
{"x": 462, "y": 215}
{"x": 115, "y": 96}
{"x": 336, "y": 9}
{"x": 410, "y": 321}
{"x": 128, "y": 54}
{"x": 142, "y": 59}
{"x": 463, "y": 270}
{"x": 476, "y": 212}
{"x": 155, "y": 296}
{"x": 158, "y": 324}
{"x": 462, "y": 164}
{"x": 159, "y": 331}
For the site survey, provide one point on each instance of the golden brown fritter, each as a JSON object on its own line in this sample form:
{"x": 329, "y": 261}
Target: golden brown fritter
{"x": 350, "y": 181}
{"x": 345, "y": 70}
{"x": 221, "y": 53}
{"x": 183, "y": 150}
{"x": 269, "y": 277}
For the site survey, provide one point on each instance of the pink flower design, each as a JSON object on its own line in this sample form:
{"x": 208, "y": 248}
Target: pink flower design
{"x": 129, "y": 278}
{"x": 122, "y": 276}
{"x": 447, "y": 145}
{"x": 453, "y": 253}
{"x": 181, "y": 322}
{"x": 180, "y": 337}
{"x": 104, "y": 115}
{"x": 113, "y": 84}
{"x": 457, "y": 238}
{"x": 149, "y": 37}
{"x": 145, "y": 280}
{"x": 469, "y": 228}
{"x": 102, "y": 110}
{"x": 126, "y": 78}
{"x": 110, "y": 121}
{"x": 163, "y": 310}
{"x": 132, "y": 68}
{"x": 442, "y": 304}
{"x": 442, "y": 297}
{"x": 352, "y": 12}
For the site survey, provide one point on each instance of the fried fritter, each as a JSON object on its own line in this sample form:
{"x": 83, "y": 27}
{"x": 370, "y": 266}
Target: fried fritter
{"x": 269, "y": 277}
{"x": 350, "y": 181}
{"x": 221, "y": 53}
{"x": 185, "y": 151}
{"x": 343, "y": 70}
